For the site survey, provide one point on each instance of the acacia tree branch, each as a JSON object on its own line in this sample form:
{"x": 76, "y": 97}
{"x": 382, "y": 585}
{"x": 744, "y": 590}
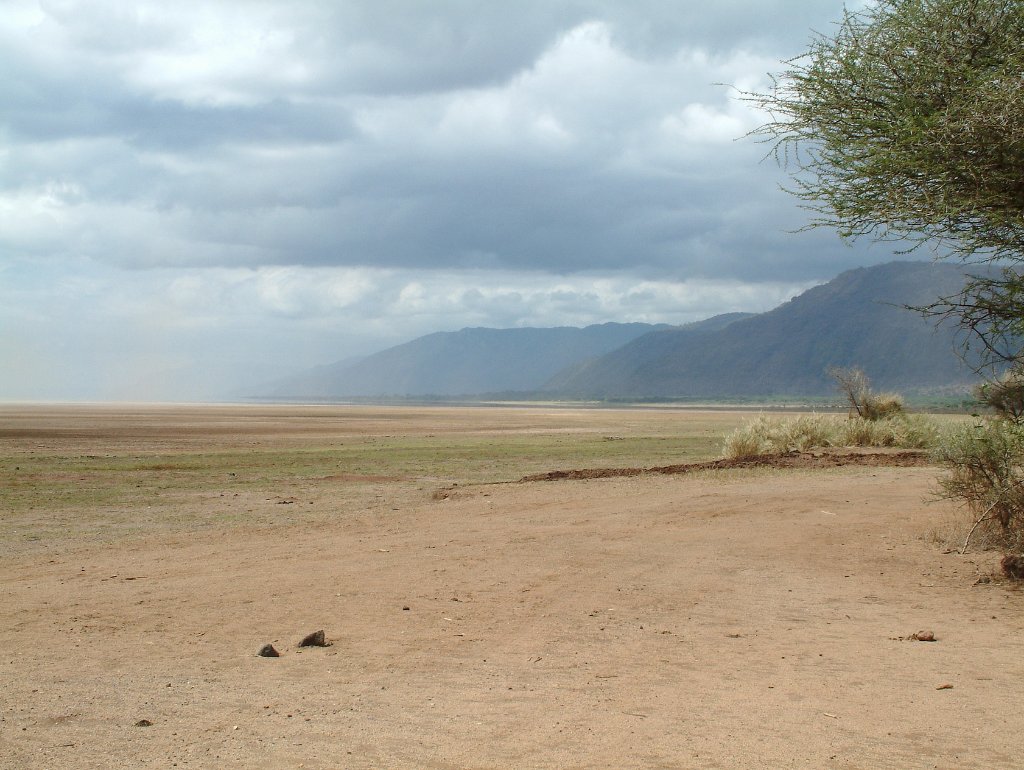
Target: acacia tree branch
{"x": 984, "y": 516}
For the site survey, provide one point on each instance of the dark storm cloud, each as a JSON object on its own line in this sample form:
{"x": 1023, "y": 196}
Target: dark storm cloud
{"x": 402, "y": 47}
{"x": 565, "y": 136}
{"x": 170, "y": 125}
{"x": 187, "y": 188}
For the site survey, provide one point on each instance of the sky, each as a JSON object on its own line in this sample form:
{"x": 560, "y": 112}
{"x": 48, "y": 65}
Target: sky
{"x": 198, "y": 197}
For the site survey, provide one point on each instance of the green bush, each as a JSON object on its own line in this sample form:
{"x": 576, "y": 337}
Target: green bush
{"x": 985, "y": 463}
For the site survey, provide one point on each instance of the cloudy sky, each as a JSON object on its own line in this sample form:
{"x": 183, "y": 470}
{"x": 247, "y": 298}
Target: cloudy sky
{"x": 198, "y": 195}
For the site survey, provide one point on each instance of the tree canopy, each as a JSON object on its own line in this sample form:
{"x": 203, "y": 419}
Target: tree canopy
{"x": 907, "y": 124}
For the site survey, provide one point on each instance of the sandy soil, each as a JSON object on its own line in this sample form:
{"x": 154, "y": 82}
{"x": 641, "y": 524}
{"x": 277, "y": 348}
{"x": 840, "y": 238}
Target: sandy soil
{"x": 733, "y": 618}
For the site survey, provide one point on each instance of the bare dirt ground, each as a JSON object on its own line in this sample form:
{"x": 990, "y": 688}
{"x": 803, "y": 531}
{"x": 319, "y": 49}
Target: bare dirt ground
{"x": 722, "y": 618}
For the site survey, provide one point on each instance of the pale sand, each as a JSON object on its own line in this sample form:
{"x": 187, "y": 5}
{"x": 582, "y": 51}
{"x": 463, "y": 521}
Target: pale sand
{"x": 741, "y": 619}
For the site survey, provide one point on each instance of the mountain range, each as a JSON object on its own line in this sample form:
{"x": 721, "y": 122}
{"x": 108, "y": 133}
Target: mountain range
{"x": 856, "y": 319}
{"x": 464, "y": 363}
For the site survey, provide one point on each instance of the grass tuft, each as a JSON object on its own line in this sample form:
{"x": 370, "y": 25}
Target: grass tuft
{"x": 779, "y": 435}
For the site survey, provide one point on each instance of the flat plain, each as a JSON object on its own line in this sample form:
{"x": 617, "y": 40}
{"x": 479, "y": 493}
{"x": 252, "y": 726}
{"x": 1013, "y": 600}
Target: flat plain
{"x": 716, "y": 619}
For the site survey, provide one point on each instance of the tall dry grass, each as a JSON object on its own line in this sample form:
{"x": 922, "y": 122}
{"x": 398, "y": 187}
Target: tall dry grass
{"x": 779, "y": 435}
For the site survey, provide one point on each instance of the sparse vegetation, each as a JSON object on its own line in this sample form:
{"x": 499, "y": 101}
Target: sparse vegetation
{"x": 856, "y": 388}
{"x": 875, "y": 420}
{"x": 1005, "y": 395}
{"x": 63, "y": 479}
{"x": 985, "y": 462}
{"x": 778, "y": 435}
{"x": 904, "y": 125}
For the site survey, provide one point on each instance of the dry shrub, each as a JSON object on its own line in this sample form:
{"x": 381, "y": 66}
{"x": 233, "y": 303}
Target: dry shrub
{"x": 776, "y": 435}
{"x": 858, "y": 431}
{"x": 856, "y": 389}
{"x": 917, "y": 431}
{"x": 985, "y": 463}
{"x": 747, "y": 441}
{"x": 947, "y": 529}
{"x": 882, "y": 406}
{"x": 807, "y": 432}
{"x": 1013, "y": 566}
{"x": 1005, "y": 395}
{"x": 906, "y": 432}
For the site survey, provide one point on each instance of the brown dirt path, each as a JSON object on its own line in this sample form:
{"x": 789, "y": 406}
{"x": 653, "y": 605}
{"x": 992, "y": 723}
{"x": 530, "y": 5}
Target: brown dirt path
{"x": 734, "y": 619}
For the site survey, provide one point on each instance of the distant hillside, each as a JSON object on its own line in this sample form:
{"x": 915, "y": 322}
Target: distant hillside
{"x": 581, "y": 371}
{"x": 855, "y": 319}
{"x": 463, "y": 363}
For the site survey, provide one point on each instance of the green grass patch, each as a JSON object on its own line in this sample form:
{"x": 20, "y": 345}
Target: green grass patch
{"x": 109, "y": 489}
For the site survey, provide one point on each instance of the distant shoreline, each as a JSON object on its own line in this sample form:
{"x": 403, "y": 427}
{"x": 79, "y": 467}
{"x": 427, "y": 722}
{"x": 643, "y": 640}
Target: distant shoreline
{"x": 827, "y": 407}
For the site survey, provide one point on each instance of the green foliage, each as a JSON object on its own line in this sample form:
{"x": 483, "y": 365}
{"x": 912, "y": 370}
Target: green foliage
{"x": 906, "y": 125}
{"x": 989, "y": 311}
{"x": 986, "y": 472}
{"x": 985, "y": 463}
{"x": 778, "y": 435}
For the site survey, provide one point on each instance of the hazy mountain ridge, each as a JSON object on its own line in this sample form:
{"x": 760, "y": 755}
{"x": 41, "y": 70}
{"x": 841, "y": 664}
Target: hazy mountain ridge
{"x": 464, "y": 363}
{"x": 857, "y": 319}
{"x": 584, "y": 370}
{"x": 854, "y": 319}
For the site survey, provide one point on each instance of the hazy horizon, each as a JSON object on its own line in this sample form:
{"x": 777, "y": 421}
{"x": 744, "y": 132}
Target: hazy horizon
{"x": 204, "y": 195}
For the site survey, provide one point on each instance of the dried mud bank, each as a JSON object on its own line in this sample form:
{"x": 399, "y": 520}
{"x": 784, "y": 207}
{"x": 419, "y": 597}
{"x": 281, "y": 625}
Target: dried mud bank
{"x": 805, "y": 460}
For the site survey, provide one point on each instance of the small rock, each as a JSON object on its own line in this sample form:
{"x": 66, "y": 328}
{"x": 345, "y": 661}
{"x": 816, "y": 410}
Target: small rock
{"x": 315, "y": 639}
{"x": 143, "y": 723}
{"x": 268, "y": 651}
{"x": 405, "y": 608}
{"x": 944, "y": 687}
{"x": 923, "y": 636}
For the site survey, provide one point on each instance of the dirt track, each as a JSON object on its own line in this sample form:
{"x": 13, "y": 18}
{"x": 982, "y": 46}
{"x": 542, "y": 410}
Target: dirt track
{"x": 717, "y": 619}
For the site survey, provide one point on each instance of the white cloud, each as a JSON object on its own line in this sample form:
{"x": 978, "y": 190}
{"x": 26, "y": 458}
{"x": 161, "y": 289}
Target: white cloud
{"x": 186, "y": 188}
{"x": 209, "y": 326}
{"x": 231, "y": 136}
{"x": 704, "y": 124}
{"x": 228, "y": 55}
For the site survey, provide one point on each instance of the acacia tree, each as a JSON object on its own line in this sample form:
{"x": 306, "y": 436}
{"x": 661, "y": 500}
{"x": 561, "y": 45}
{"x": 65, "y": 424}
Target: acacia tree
{"x": 907, "y": 124}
